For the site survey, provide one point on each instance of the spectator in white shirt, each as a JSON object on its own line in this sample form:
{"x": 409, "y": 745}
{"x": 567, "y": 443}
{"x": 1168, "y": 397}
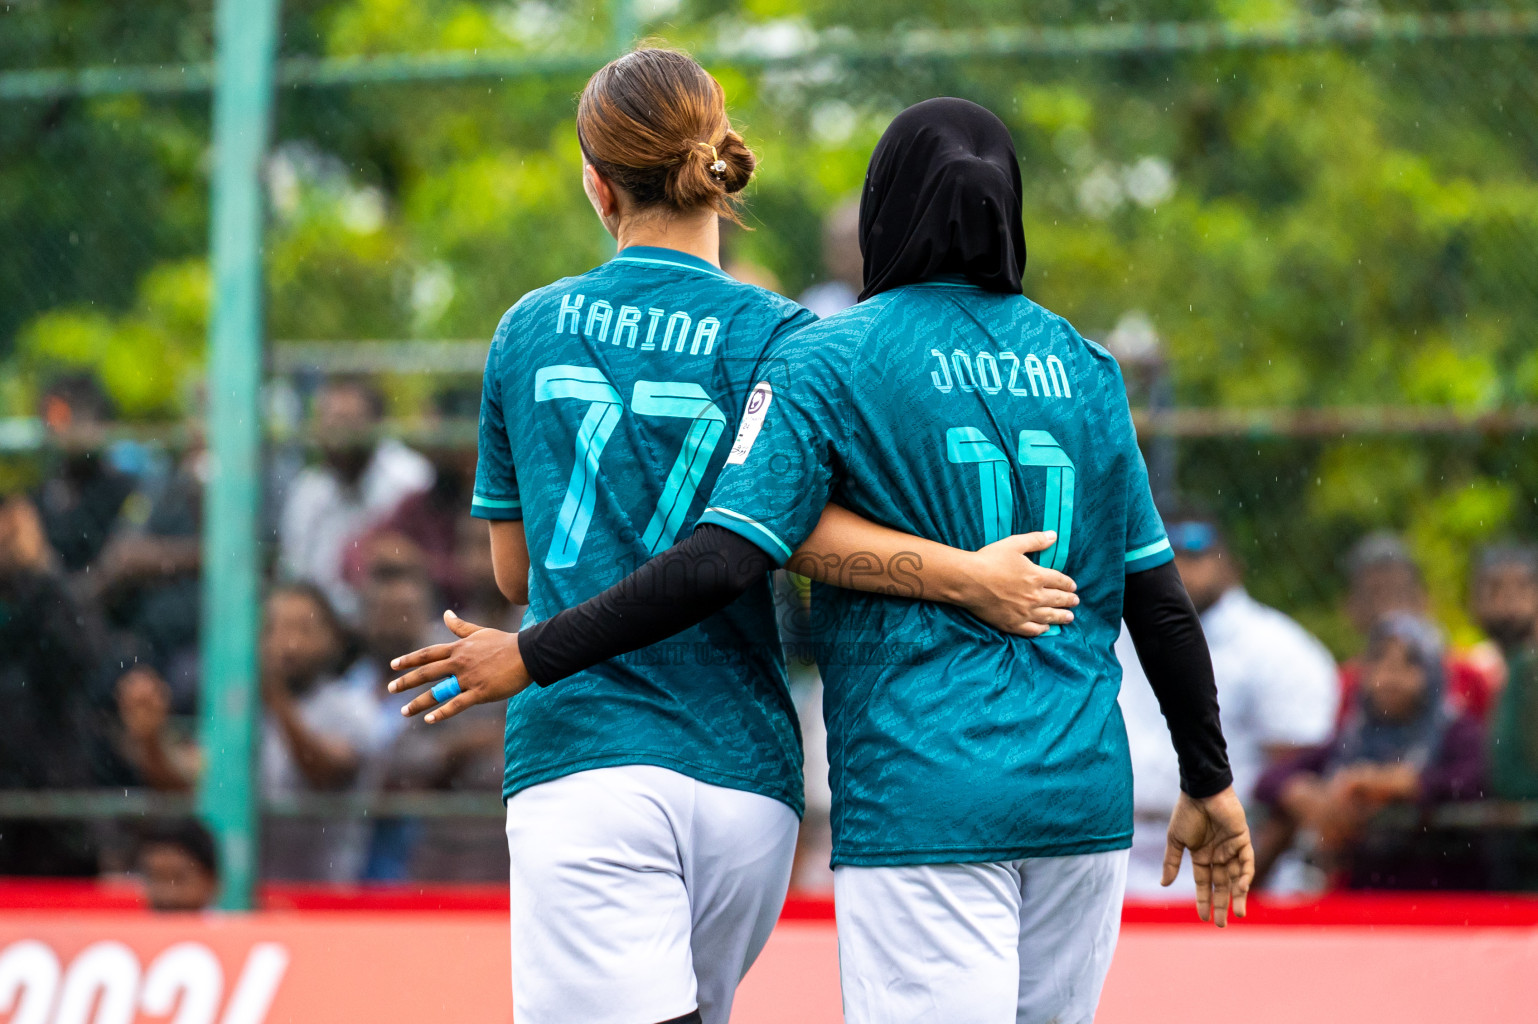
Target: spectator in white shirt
{"x": 464, "y": 753}
{"x": 358, "y": 482}
{"x": 1277, "y": 687}
{"x": 320, "y": 734}
{"x": 399, "y": 614}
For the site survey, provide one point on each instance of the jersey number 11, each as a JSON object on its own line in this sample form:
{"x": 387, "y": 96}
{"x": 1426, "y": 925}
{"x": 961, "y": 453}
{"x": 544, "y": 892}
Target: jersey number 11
{"x": 1037, "y": 448}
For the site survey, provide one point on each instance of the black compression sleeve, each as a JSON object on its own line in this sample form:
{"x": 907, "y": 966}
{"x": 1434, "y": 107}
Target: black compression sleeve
{"x": 1170, "y": 644}
{"x": 684, "y": 585}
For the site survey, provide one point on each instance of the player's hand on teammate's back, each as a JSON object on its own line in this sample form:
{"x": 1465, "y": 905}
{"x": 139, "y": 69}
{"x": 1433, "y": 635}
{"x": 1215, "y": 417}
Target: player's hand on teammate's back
{"x": 1013, "y": 593}
{"x": 1214, "y": 830}
{"x": 485, "y": 661}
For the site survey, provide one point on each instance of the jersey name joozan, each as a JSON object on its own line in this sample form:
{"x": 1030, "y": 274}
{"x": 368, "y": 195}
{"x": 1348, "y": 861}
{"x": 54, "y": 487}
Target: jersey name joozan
{"x": 991, "y": 373}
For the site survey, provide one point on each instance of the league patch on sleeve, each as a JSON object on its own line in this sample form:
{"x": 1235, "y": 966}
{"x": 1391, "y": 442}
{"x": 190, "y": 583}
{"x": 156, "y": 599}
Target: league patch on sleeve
{"x": 752, "y": 423}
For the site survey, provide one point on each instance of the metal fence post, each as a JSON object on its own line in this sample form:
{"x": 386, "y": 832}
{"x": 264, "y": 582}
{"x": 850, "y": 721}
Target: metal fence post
{"x": 243, "y": 94}
{"x": 622, "y": 23}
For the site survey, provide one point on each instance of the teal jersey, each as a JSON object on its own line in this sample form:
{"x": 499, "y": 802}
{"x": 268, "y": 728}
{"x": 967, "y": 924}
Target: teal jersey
{"x": 605, "y": 416}
{"x": 965, "y": 416}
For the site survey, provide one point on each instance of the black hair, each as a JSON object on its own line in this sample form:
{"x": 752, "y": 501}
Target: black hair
{"x": 372, "y": 396}
{"x": 1381, "y": 550}
{"x": 346, "y": 638}
{"x": 186, "y": 834}
{"x": 1508, "y": 554}
{"x": 83, "y": 393}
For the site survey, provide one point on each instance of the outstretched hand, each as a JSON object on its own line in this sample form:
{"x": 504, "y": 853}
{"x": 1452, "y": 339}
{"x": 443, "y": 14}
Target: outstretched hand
{"x": 486, "y": 662}
{"x": 1013, "y": 594}
{"x": 1222, "y": 860}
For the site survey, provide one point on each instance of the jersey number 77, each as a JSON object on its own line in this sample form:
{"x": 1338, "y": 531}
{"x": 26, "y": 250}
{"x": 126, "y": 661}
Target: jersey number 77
{"x": 666, "y": 399}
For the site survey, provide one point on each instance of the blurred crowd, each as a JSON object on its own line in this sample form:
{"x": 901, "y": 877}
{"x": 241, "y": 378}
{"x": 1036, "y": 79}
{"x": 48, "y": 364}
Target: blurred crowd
{"x": 1348, "y": 770}
{"x": 99, "y": 619}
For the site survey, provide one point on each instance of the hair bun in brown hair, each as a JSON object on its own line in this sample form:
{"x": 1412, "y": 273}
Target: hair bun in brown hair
{"x": 654, "y": 123}
{"x": 717, "y": 166}
{"x": 739, "y": 160}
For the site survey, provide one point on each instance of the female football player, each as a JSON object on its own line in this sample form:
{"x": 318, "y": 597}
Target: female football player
{"x": 652, "y": 800}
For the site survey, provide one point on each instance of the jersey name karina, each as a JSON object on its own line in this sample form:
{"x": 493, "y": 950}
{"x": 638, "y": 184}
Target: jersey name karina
{"x": 654, "y": 328}
{"x": 985, "y": 372}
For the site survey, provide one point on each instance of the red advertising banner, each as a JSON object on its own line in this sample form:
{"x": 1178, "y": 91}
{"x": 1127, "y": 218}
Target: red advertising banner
{"x": 271, "y": 968}
{"x": 1468, "y": 959}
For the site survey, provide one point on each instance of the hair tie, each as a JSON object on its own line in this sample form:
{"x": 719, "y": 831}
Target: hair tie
{"x": 717, "y": 166}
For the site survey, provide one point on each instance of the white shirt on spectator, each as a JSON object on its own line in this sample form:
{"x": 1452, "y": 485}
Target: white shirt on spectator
{"x": 367, "y": 678}
{"x": 318, "y": 848}
{"x": 828, "y": 298}
{"x": 322, "y": 515}
{"x": 1277, "y": 686}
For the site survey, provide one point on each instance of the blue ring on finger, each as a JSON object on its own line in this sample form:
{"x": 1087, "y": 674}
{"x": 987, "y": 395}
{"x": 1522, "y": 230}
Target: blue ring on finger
{"x": 447, "y": 690}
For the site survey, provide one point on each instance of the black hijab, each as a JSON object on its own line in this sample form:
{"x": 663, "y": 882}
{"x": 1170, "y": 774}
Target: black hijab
{"x": 942, "y": 196}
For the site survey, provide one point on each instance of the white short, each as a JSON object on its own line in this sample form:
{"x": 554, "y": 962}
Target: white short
{"x": 1017, "y": 942}
{"x": 639, "y": 894}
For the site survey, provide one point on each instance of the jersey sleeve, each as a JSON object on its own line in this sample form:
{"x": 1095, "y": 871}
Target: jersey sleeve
{"x": 1146, "y": 546}
{"x": 496, "y": 485}
{"x": 780, "y": 471}
{"x": 799, "y": 319}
